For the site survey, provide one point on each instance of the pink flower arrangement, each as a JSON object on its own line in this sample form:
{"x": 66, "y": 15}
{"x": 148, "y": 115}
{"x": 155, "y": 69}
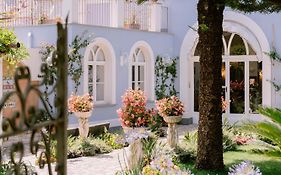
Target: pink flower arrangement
{"x": 82, "y": 103}
{"x": 171, "y": 106}
{"x": 224, "y": 104}
{"x": 242, "y": 140}
{"x": 133, "y": 112}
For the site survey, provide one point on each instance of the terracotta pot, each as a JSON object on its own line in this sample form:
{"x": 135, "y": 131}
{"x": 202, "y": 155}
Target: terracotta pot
{"x": 83, "y": 118}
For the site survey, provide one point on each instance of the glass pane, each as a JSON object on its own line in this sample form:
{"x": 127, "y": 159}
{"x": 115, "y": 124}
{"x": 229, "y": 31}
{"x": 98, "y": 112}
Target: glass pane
{"x": 226, "y": 36}
{"x": 196, "y": 85}
{"x": 140, "y": 73}
{"x": 100, "y": 55}
{"x": 95, "y": 48}
{"x": 223, "y": 73}
{"x": 133, "y": 73}
{"x": 255, "y": 84}
{"x": 251, "y": 50}
{"x": 90, "y": 74}
{"x": 223, "y": 80}
{"x": 237, "y": 46}
{"x": 141, "y": 86}
{"x": 91, "y": 56}
{"x": 133, "y": 85}
{"x": 90, "y": 88}
{"x": 140, "y": 57}
{"x": 100, "y": 73}
{"x": 197, "y": 51}
{"x": 100, "y": 92}
{"x": 237, "y": 88}
{"x": 134, "y": 58}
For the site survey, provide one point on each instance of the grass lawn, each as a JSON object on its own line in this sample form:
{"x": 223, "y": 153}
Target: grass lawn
{"x": 268, "y": 165}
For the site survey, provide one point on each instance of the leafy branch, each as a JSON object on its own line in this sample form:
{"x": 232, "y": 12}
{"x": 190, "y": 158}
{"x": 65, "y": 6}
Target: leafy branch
{"x": 166, "y": 73}
{"x": 75, "y": 70}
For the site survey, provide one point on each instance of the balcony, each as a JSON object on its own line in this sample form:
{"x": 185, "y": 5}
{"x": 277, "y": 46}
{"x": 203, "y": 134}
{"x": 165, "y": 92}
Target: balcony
{"x": 149, "y": 16}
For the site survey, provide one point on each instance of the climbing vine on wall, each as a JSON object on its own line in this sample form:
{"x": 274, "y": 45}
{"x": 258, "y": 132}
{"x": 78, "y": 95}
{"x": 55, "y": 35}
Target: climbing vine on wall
{"x": 166, "y": 73}
{"x": 273, "y": 54}
{"x": 75, "y": 70}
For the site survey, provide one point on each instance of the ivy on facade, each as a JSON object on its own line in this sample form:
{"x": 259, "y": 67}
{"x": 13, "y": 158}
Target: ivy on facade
{"x": 75, "y": 70}
{"x": 274, "y": 55}
{"x": 166, "y": 73}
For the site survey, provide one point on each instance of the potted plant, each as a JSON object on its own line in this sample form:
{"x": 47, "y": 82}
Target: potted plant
{"x": 171, "y": 109}
{"x": 133, "y": 113}
{"x": 134, "y": 119}
{"x": 82, "y": 107}
{"x": 132, "y": 24}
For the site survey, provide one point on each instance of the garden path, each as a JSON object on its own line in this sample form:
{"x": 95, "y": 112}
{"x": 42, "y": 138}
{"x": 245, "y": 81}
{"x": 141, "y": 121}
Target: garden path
{"x": 102, "y": 164}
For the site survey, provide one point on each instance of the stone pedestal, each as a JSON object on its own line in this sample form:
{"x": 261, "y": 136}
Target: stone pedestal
{"x": 83, "y": 118}
{"x": 172, "y": 133}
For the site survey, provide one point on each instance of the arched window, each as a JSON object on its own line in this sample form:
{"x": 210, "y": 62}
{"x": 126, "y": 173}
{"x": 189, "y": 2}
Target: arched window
{"x": 241, "y": 73}
{"x": 138, "y": 70}
{"x": 99, "y": 72}
{"x": 141, "y": 69}
{"x": 96, "y": 68}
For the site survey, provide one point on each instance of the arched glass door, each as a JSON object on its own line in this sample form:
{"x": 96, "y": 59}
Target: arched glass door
{"x": 241, "y": 73}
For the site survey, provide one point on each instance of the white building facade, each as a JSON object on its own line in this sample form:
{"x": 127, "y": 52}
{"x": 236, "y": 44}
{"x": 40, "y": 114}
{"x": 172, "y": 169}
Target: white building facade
{"x": 127, "y": 39}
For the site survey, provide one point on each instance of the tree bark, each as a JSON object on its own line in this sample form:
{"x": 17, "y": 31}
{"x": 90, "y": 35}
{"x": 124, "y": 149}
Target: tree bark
{"x": 210, "y": 149}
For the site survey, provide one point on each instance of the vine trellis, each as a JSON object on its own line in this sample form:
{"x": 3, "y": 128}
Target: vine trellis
{"x": 27, "y": 118}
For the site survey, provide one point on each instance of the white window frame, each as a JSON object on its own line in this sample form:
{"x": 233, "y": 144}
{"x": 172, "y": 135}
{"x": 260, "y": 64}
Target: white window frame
{"x": 138, "y": 63}
{"x": 109, "y": 71}
{"x": 234, "y": 23}
{"x": 148, "y": 68}
{"x": 94, "y": 63}
{"x": 227, "y": 59}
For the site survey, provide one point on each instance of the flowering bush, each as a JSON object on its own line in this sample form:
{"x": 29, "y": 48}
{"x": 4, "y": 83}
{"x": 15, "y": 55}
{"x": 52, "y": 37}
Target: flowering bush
{"x": 163, "y": 165}
{"x": 133, "y": 112}
{"x": 80, "y": 103}
{"x": 244, "y": 168}
{"x": 171, "y": 106}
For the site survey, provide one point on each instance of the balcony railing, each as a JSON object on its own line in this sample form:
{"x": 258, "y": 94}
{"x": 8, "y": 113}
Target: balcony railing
{"x": 29, "y": 12}
{"x": 110, "y": 13}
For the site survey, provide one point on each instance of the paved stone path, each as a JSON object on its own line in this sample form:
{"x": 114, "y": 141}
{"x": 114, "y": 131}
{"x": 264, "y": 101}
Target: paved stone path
{"x": 102, "y": 164}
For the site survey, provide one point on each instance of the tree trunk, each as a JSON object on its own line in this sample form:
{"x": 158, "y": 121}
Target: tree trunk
{"x": 210, "y": 149}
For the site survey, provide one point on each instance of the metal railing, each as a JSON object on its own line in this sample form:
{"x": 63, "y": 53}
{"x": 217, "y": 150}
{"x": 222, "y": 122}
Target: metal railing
{"x": 29, "y": 12}
{"x": 137, "y": 16}
{"x": 111, "y": 13}
{"x": 95, "y": 12}
{"x": 165, "y": 19}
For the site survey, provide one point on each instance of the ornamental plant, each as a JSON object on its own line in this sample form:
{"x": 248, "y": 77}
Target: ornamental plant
{"x": 246, "y": 167}
{"x": 11, "y": 50}
{"x": 171, "y": 106}
{"x": 163, "y": 165}
{"x": 82, "y": 103}
{"x": 133, "y": 112}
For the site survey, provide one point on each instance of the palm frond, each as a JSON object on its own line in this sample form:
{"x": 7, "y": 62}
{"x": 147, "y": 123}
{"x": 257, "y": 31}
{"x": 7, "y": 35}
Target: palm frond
{"x": 266, "y": 129}
{"x": 273, "y": 113}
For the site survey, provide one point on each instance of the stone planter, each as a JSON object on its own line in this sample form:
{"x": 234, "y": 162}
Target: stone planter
{"x": 172, "y": 133}
{"x": 83, "y": 118}
{"x": 136, "y": 151}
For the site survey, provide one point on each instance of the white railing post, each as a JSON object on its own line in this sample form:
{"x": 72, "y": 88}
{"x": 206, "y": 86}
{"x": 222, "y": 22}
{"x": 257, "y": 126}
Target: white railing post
{"x": 117, "y": 16}
{"x": 156, "y": 17}
{"x": 70, "y": 7}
